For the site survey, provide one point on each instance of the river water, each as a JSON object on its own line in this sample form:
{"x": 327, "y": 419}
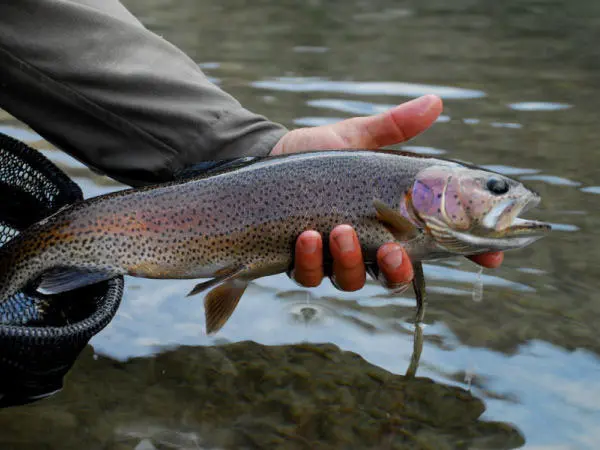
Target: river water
{"x": 519, "y": 81}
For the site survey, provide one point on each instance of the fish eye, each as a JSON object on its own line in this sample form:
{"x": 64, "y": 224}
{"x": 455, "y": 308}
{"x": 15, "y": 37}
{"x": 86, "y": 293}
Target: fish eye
{"x": 497, "y": 186}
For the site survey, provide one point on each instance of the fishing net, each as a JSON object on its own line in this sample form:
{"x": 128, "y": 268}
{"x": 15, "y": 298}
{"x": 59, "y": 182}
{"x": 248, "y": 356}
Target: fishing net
{"x": 38, "y": 345}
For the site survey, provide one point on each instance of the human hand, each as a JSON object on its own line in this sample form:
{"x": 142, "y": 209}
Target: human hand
{"x": 388, "y": 128}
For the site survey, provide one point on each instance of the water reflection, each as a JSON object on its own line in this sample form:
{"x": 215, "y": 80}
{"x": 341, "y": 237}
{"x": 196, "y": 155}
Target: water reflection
{"x": 506, "y": 125}
{"x": 552, "y": 179}
{"x": 564, "y": 227}
{"x": 539, "y": 106}
{"x": 391, "y": 88}
{"x": 509, "y": 170}
{"x": 591, "y": 189}
{"x": 350, "y": 106}
{"x": 316, "y": 121}
{"x": 307, "y": 49}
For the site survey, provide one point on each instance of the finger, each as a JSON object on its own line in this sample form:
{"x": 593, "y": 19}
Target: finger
{"x": 394, "y": 264}
{"x": 390, "y": 127}
{"x": 348, "y": 265}
{"x": 490, "y": 260}
{"x": 308, "y": 259}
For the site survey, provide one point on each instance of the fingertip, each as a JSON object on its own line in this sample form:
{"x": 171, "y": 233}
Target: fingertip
{"x": 309, "y": 242}
{"x": 426, "y": 105}
{"x": 437, "y": 104}
{"x": 344, "y": 246}
{"x": 417, "y": 115}
{"x": 308, "y": 259}
{"x": 309, "y": 245}
{"x": 490, "y": 260}
{"x": 395, "y": 264}
{"x": 349, "y": 272}
{"x": 341, "y": 230}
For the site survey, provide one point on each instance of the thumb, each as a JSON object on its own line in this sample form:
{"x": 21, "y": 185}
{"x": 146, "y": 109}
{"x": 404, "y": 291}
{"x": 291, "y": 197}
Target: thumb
{"x": 391, "y": 127}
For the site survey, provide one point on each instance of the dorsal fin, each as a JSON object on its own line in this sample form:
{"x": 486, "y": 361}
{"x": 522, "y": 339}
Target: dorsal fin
{"x": 214, "y": 167}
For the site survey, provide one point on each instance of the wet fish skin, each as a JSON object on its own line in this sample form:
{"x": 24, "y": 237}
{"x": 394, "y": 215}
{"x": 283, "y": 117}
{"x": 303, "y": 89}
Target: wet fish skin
{"x": 235, "y": 226}
{"x": 196, "y": 228}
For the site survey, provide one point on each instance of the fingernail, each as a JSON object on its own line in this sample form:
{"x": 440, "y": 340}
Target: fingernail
{"x": 421, "y": 105}
{"x": 345, "y": 242}
{"x": 393, "y": 259}
{"x": 308, "y": 245}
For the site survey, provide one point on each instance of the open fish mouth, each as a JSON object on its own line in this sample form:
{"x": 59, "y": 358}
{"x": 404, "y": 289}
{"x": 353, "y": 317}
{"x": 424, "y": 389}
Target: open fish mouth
{"x": 501, "y": 229}
{"x": 503, "y": 220}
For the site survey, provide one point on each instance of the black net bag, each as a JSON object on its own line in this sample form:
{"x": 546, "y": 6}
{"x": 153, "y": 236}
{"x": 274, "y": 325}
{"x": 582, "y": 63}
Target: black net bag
{"x": 37, "y": 349}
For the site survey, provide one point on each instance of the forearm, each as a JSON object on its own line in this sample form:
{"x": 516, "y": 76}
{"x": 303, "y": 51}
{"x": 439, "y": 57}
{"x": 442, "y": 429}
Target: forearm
{"x": 89, "y": 78}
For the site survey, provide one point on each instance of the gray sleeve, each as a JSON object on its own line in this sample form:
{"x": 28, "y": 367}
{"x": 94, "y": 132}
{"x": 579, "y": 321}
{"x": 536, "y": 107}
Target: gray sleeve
{"x": 89, "y": 78}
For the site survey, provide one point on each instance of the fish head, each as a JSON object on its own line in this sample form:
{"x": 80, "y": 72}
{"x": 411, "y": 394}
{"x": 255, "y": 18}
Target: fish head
{"x": 470, "y": 210}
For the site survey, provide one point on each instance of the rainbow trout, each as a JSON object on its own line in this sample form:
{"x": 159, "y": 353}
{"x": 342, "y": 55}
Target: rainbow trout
{"x": 241, "y": 223}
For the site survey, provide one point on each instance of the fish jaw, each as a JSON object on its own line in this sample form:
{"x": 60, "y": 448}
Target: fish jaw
{"x": 500, "y": 230}
{"x": 503, "y": 222}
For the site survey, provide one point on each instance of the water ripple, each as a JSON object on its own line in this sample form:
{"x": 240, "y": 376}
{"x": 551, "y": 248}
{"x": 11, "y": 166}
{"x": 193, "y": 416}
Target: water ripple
{"x": 539, "y": 106}
{"x": 564, "y": 227}
{"x": 591, "y": 189}
{"x": 552, "y": 179}
{"x": 306, "y": 84}
{"x": 316, "y": 121}
{"x": 209, "y": 65}
{"x": 508, "y": 170}
{"x": 349, "y": 106}
{"x": 443, "y": 273}
{"x": 384, "y": 15}
{"x": 506, "y": 125}
{"x": 309, "y": 49}
{"x": 532, "y": 271}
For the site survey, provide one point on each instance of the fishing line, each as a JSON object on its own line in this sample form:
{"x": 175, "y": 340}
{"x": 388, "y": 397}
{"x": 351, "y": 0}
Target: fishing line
{"x": 477, "y": 294}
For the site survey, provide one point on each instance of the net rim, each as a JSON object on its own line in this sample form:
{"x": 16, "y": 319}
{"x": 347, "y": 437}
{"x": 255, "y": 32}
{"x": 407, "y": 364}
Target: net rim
{"x": 110, "y": 302}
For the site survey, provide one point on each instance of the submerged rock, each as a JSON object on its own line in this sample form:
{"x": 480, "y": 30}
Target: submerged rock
{"x": 246, "y": 395}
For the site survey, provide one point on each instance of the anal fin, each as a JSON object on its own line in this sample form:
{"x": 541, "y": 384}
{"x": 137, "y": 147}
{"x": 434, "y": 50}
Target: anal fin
{"x": 220, "y": 303}
{"x": 66, "y": 279}
{"x": 229, "y": 286}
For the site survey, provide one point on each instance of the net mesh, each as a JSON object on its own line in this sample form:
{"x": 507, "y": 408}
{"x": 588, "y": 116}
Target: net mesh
{"x": 38, "y": 348}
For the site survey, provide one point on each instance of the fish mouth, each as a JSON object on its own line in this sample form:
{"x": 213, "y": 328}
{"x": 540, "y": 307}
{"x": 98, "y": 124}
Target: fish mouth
{"x": 503, "y": 220}
{"x": 501, "y": 229}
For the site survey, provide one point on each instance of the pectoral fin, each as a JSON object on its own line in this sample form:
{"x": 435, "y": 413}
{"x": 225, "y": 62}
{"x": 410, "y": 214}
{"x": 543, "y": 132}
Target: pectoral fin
{"x": 65, "y": 279}
{"x": 220, "y": 303}
{"x": 401, "y": 227}
{"x": 225, "y": 275}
